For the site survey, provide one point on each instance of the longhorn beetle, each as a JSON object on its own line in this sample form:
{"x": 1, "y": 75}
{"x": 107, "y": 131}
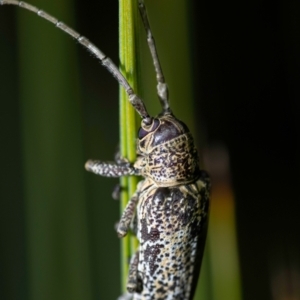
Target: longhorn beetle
{"x": 169, "y": 210}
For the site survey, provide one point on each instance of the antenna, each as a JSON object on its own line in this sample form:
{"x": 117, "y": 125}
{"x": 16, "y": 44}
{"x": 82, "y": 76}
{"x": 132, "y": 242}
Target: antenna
{"x": 134, "y": 99}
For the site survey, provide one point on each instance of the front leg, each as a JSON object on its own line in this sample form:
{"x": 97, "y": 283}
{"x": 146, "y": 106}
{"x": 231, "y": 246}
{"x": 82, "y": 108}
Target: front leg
{"x": 110, "y": 169}
{"x": 120, "y": 161}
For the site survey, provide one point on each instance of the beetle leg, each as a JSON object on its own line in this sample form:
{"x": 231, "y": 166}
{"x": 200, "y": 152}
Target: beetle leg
{"x": 116, "y": 192}
{"x": 126, "y": 296}
{"x": 127, "y": 216}
{"x": 110, "y": 169}
{"x": 134, "y": 284}
{"x": 119, "y": 159}
{"x": 133, "y": 225}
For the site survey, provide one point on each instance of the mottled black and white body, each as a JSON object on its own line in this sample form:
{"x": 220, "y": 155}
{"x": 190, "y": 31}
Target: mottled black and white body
{"x": 169, "y": 210}
{"x": 171, "y": 213}
{"x": 172, "y": 225}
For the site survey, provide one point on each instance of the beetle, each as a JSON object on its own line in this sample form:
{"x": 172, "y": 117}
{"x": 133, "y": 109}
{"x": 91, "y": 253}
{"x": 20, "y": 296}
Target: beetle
{"x": 169, "y": 210}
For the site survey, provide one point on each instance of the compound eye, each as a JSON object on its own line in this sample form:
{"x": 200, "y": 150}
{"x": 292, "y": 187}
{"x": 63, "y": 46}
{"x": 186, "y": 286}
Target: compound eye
{"x": 146, "y": 129}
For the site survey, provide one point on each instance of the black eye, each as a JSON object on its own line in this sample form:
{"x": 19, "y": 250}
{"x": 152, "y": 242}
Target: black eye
{"x": 147, "y": 129}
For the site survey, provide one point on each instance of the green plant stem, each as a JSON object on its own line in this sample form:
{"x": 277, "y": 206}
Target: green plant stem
{"x": 127, "y": 23}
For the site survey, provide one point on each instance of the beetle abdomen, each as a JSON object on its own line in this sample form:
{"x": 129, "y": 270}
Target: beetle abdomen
{"x": 172, "y": 226}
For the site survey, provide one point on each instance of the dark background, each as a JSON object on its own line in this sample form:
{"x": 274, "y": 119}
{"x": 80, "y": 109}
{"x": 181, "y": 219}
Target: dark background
{"x": 245, "y": 60}
{"x": 247, "y": 78}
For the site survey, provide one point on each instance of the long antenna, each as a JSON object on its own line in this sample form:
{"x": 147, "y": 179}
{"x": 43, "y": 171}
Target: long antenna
{"x": 135, "y": 100}
{"x": 162, "y": 88}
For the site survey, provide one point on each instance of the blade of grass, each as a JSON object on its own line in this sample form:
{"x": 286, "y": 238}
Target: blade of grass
{"x": 127, "y": 23}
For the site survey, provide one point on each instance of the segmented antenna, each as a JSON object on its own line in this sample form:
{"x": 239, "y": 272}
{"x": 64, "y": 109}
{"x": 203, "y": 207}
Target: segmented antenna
{"x": 135, "y": 100}
{"x": 162, "y": 88}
